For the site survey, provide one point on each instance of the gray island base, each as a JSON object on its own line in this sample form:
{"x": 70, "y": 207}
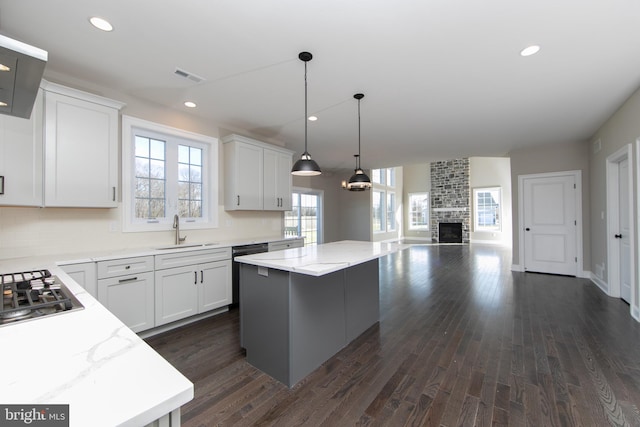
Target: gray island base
{"x": 291, "y": 323}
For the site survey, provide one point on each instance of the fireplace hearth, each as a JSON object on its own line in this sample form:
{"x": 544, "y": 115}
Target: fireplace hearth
{"x": 450, "y": 232}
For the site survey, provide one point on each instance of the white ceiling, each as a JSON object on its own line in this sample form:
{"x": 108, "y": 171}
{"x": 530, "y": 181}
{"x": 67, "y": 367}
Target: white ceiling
{"x": 442, "y": 79}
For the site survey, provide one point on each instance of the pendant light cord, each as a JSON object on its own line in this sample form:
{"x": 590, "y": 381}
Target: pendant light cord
{"x": 359, "y": 134}
{"x": 305, "y": 107}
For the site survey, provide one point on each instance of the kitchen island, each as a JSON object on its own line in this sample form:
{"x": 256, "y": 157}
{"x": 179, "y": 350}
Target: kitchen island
{"x": 299, "y": 307}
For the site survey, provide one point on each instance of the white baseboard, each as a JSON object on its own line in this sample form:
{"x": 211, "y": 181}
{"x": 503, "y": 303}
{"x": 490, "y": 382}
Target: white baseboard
{"x": 489, "y": 242}
{"x": 164, "y": 328}
{"x": 584, "y": 274}
{"x": 604, "y": 287}
{"x": 517, "y": 267}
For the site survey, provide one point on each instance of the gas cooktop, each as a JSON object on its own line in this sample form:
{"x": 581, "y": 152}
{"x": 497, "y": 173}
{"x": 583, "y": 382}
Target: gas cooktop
{"x": 31, "y": 295}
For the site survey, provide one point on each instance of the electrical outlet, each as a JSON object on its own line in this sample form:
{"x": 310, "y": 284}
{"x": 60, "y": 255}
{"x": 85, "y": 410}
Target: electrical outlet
{"x": 113, "y": 226}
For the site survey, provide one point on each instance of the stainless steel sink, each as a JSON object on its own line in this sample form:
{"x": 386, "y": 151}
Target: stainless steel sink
{"x": 194, "y": 245}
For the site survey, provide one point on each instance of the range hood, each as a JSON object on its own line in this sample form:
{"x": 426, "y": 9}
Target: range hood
{"x": 21, "y": 70}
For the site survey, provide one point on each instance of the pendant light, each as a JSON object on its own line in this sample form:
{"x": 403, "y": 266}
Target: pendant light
{"x": 359, "y": 181}
{"x": 305, "y": 166}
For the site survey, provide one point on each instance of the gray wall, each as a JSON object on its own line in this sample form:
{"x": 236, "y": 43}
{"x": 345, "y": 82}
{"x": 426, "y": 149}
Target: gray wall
{"x": 621, "y": 129}
{"x": 346, "y": 214}
{"x": 545, "y": 159}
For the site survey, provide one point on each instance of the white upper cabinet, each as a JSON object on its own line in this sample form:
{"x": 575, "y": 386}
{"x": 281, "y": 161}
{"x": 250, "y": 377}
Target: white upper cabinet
{"x": 21, "y": 158}
{"x": 243, "y": 176}
{"x": 81, "y": 148}
{"x": 277, "y": 180}
{"x": 257, "y": 175}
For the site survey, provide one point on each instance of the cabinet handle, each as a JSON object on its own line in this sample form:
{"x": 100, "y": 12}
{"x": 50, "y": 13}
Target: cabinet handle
{"x": 201, "y": 276}
{"x": 114, "y": 194}
{"x": 130, "y": 279}
{"x": 195, "y": 277}
{"x": 127, "y": 267}
{"x": 1, "y": 184}
{"x": 238, "y": 200}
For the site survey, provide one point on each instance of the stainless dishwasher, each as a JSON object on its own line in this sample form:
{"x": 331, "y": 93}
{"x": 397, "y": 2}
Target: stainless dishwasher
{"x": 254, "y": 248}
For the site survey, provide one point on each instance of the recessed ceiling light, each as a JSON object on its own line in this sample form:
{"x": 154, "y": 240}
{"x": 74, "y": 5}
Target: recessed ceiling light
{"x": 4, "y": 68}
{"x": 190, "y": 104}
{"x": 312, "y": 118}
{"x": 531, "y": 50}
{"x": 3, "y": 104}
{"x": 101, "y": 23}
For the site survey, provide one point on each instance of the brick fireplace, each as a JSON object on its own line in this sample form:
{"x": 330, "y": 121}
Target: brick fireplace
{"x": 450, "y": 196}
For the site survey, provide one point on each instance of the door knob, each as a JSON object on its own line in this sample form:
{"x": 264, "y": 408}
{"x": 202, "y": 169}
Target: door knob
{"x": 527, "y": 229}
{"x": 618, "y": 236}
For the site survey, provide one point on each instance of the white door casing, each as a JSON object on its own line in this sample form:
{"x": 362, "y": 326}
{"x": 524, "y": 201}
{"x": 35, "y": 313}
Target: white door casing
{"x": 620, "y": 250}
{"x": 550, "y": 222}
{"x": 624, "y": 232}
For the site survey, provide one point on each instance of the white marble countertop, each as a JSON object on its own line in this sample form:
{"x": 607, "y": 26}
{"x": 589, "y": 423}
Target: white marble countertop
{"x": 90, "y": 360}
{"x": 102, "y": 255}
{"x": 322, "y": 259}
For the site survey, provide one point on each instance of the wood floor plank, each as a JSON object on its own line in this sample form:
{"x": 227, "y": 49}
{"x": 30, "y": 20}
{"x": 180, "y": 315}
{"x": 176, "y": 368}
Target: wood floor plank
{"x": 461, "y": 341}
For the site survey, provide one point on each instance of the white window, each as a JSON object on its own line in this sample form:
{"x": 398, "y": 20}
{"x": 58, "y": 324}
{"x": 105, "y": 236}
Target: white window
{"x": 305, "y": 217}
{"x": 386, "y": 176}
{"x": 391, "y": 211}
{"x": 487, "y": 208}
{"x": 391, "y": 177}
{"x": 379, "y": 211}
{"x": 167, "y": 171}
{"x": 418, "y": 211}
{"x": 384, "y": 200}
{"x": 378, "y": 176}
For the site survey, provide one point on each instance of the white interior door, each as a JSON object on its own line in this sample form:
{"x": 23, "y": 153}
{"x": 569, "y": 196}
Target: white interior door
{"x": 624, "y": 232}
{"x": 549, "y": 221}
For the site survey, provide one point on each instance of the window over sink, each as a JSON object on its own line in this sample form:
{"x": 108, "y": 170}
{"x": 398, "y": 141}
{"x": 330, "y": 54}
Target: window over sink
{"x": 167, "y": 171}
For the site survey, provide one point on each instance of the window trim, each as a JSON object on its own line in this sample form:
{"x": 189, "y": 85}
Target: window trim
{"x": 411, "y": 226}
{"x": 387, "y": 189}
{"x": 320, "y": 213}
{"x": 476, "y": 226}
{"x": 383, "y": 209}
{"x": 391, "y": 195}
{"x": 210, "y": 177}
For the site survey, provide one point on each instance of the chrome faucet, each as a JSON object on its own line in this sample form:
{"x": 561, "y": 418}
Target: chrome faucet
{"x": 176, "y": 225}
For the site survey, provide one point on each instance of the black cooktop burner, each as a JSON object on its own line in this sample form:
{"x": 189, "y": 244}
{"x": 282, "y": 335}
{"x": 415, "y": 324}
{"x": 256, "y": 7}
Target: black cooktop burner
{"x": 33, "y": 294}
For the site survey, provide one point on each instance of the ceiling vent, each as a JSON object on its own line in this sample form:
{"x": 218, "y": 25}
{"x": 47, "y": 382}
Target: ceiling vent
{"x": 187, "y": 75}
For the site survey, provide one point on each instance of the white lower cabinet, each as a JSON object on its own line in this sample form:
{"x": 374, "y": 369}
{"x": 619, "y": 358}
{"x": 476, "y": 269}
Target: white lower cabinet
{"x": 191, "y": 288}
{"x": 130, "y": 299}
{"x": 126, "y": 289}
{"x": 84, "y": 273}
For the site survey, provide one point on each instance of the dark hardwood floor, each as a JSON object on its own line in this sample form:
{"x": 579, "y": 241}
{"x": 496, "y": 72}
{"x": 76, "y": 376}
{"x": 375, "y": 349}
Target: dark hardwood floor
{"x": 461, "y": 341}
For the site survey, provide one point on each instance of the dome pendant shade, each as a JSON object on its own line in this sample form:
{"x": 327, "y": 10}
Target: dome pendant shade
{"x": 359, "y": 181}
{"x": 305, "y": 166}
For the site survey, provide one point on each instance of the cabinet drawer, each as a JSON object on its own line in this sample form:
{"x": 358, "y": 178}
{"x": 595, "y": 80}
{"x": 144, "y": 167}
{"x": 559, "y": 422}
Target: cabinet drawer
{"x": 130, "y": 299}
{"x": 286, "y": 244}
{"x": 179, "y": 259}
{"x": 124, "y": 266}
